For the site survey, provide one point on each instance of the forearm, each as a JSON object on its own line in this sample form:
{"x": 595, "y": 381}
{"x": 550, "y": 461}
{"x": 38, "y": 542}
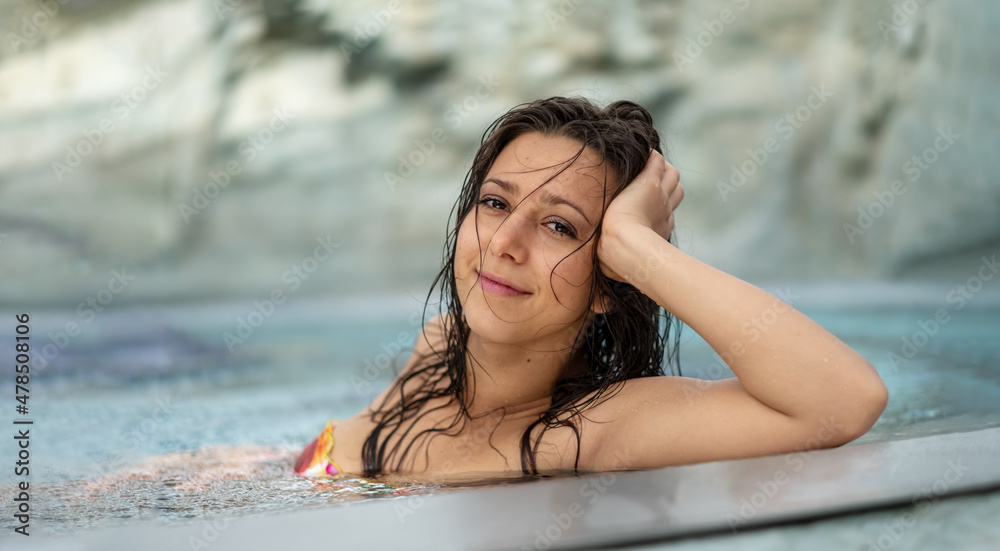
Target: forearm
{"x": 781, "y": 357}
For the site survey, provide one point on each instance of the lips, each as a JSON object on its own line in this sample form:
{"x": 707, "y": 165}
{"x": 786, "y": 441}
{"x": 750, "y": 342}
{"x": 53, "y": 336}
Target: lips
{"x": 500, "y": 285}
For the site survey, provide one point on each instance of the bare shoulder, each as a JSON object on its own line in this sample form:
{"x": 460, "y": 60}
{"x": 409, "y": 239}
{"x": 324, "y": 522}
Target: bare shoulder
{"x": 656, "y": 422}
{"x": 353, "y": 431}
{"x": 611, "y": 416}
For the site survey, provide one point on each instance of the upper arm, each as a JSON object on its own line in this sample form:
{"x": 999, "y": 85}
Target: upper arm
{"x": 661, "y": 421}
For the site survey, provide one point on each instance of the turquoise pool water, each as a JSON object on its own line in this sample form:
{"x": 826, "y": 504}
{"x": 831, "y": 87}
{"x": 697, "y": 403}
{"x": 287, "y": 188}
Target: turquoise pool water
{"x": 149, "y": 415}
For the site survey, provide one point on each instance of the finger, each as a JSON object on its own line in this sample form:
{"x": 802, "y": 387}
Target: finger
{"x": 651, "y": 159}
{"x": 676, "y": 197}
{"x": 670, "y": 195}
{"x": 671, "y": 177}
{"x": 656, "y": 162}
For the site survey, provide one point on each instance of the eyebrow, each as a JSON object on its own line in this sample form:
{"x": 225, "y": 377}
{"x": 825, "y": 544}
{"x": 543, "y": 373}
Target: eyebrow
{"x": 547, "y": 198}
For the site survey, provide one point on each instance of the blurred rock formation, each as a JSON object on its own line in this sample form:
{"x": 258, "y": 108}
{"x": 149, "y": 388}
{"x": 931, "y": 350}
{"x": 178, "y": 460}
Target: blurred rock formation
{"x": 205, "y": 146}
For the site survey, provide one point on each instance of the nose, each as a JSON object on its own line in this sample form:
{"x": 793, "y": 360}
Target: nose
{"x": 510, "y": 238}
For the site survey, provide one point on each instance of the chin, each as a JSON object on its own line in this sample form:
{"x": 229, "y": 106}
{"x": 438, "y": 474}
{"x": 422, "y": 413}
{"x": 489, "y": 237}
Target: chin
{"x": 485, "y": 323}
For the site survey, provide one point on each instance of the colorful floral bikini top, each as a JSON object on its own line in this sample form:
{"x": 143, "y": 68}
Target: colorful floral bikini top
{"x": 317, "y": 459}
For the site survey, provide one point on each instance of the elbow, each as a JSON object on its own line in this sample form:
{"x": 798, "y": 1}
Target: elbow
{"x": 880, "y": 399}
{"x": 865, "y": 409}
{"x": 846, "y": 415}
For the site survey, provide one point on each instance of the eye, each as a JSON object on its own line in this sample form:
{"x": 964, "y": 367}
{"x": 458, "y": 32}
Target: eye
{"x": 561, "y": 229}
{"x": 487, "y": 200}
{"x": 566, "y": 230}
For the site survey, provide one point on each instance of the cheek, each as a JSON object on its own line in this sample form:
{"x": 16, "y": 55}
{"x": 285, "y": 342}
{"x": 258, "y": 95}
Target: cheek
{"x": 466, "y": 248}
{"x": 573, "y": 272}
{"x": 472, "y": 241}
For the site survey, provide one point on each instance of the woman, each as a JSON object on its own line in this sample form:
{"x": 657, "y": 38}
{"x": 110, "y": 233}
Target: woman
{"x": 562, "y": 288}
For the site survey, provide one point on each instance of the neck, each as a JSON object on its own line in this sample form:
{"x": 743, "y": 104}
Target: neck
{"x": 517, "y": 377}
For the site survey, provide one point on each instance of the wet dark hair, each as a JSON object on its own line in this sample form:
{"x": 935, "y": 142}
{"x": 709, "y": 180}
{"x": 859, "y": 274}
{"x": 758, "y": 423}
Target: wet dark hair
{"x": 627, "y": 341}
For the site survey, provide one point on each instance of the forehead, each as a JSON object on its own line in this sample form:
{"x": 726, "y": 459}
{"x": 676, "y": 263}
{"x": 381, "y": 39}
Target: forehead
{"x": 531, "y": 159}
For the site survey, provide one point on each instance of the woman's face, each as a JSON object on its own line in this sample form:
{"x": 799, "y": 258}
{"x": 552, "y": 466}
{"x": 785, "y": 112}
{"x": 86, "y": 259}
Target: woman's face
{"x": 530, "y": 235}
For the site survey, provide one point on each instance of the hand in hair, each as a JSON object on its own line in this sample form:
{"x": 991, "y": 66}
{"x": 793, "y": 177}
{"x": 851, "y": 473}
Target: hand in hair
{"x": 648, "y": 201}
